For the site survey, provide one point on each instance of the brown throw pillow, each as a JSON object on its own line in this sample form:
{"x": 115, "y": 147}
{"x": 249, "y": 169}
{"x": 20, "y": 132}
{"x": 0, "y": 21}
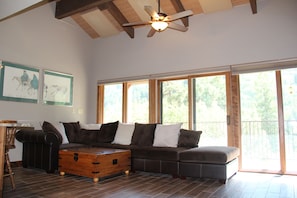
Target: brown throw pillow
{"x": 189, "y": 138}
{"x": 88, "y": 136}
{"x": 143, "y": 134}
{"x": 72, "y": 130}
{"x": 49, "y": 128}
{"x": 107, "y": 132}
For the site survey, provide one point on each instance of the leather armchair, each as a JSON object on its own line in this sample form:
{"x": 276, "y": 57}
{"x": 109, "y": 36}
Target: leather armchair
{"x": 40, "y": 149}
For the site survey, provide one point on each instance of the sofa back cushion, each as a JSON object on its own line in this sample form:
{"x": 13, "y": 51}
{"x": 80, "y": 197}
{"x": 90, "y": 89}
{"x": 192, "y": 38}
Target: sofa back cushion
{"x": 107, "y": 132}
{"x": 189, "y": 138}
{"x": 50, "y": 128}
{"x": 88, "y": 136}
{"x": 143, "y": 134}
{"x": 72, "y": 130}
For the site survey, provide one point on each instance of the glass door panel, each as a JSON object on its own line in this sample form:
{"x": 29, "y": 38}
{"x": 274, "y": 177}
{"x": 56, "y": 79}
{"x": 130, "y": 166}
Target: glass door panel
{"x": 174, "y": 99}
{"x": 289, "y": 88}
{"x": 138, "y": 102}
{"x": 210, "y": 110}
{"x": 113, "y": 96}
{"x": 259, "y": 122}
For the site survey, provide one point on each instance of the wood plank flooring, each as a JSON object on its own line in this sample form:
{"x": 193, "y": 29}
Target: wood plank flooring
{"x": 34, "y": 183}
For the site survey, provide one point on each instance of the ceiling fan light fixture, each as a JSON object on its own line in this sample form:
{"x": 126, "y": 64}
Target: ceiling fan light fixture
{"x": 159, "y": 25}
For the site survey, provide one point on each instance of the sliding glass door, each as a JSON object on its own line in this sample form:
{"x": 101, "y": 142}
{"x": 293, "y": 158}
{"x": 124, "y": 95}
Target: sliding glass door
{"x": 210, "y": 109}
{"x": 269, "y": 121}
{"x": 259, "y": 122}
{"x": 174, "y": 102}
{"x": 289, "y": 90}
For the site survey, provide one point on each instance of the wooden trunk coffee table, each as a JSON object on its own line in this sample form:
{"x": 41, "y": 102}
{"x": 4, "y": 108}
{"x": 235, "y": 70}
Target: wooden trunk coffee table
{"x": 94, "y": 162}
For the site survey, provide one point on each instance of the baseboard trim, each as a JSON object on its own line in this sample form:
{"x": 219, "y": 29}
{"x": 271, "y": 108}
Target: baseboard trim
{"x": 16, "y": 164}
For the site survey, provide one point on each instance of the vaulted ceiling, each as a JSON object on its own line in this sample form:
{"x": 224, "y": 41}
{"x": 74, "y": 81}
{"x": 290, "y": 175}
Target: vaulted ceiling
{"x": 101, "y": 18}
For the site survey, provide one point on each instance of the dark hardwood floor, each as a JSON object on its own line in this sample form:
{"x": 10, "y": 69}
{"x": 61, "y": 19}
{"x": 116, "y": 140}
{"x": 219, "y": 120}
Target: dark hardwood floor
{"x": 36, "y": 183}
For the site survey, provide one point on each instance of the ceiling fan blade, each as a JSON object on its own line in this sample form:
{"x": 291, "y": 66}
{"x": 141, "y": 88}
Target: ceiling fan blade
{"x": 136, "y": 23}
{"x": 151, "y": 12}
{"x": 151, "y": 32}
{"x": 178, "y": 27}
{"x": 179, "y": 15}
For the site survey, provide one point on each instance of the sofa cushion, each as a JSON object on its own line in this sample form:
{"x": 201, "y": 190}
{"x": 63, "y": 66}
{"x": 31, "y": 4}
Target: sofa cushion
{"x": 156, "y": 153}
{"x": 210, "y": 154}
{"x": 167, "y": 135}
{"x": 107, "y": 132}
{"x": 87, "y": 136}
{"x": 124, "y": 134}
{"x": 143, "y": 134}
{"x": 59, "y": 131}
{"x": 72, "y": 130}
{"x": 189, "y": 138}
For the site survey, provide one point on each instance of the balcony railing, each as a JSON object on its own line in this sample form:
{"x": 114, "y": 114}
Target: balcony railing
{"x": 259, "y": 141}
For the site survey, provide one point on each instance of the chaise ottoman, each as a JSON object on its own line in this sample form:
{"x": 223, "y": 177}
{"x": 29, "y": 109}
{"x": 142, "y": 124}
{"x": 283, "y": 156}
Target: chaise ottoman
{"x": 218, "y": 162}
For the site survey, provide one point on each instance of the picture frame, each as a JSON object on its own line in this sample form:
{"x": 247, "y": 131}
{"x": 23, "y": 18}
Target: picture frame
{"x": 57, "y": 88}
{"x": 19, "y": 83}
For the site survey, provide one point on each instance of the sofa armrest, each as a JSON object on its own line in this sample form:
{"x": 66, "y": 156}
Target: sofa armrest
{"x": 40, "y": 149}
{"x": 37, "y": 136}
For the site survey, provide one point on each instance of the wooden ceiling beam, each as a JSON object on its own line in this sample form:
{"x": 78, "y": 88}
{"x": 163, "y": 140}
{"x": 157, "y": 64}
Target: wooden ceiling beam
{"x": 254, "y": 6}
{"x": 119, "y": 17}
{"x": 65, "y": 8}
{"x": 178, "y": 6}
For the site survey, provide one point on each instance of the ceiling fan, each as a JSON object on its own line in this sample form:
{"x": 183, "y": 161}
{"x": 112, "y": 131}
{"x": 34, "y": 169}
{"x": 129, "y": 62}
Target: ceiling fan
{"x": 160, "y": 21}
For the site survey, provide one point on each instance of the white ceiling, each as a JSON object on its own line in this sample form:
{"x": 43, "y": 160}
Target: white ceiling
{"x": 9, "y": 7}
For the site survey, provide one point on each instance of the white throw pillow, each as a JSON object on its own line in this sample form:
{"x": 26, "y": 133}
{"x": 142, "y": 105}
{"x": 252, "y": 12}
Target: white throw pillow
{"x": 124, "y": 134}
{"x": 90, "y": 126}
{"x": 167, "y": 135}
{"x": 61, "y": 129}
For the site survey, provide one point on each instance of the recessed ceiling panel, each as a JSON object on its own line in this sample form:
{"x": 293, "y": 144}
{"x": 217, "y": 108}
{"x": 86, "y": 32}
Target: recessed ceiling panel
{"x": 193, "y": 5}
{"x": 209, "y": 6}
{"x": 85, "y": 26}
{"x": 127, "y": 10}
{"x": 100, "y": 23}
{"x": 138, "y": 6}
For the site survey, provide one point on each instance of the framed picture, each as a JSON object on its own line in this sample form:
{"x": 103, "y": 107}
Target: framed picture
{"x": 57, "y": 88}
{"x": 19, "y": 83}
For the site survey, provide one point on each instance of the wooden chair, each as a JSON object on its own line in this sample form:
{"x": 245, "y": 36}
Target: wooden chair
{"x": 9, "y": 144}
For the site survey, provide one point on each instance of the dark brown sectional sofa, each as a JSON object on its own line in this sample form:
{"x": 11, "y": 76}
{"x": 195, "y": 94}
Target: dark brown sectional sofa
{"x": 41, "y": 147}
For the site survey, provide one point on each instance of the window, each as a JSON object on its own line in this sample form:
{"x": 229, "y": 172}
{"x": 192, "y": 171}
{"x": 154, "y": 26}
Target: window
{"x": 174, "y": 102}
{"x": 289, "y": 92}
{"x": 210, "y": 109}
{"x": 138, "y": 102}
{"x": 113, "y": 96}
{"x": 259, "y": 121}
{"x": 126, "y": 102}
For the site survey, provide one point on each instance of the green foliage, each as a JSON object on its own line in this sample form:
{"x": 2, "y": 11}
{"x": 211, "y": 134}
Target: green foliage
{"x": 113, "y": 95}
{"x": 138, "y": 103}
{"x": 175, "y": 101}
{"x": 210, "y": 90}
{"x": 258, "y": 99}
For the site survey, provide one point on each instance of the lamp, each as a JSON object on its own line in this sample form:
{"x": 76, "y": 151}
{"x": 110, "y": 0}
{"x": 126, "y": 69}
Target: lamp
{"x": 159, "y": 25}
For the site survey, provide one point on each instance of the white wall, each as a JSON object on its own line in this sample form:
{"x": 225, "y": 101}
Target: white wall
{"x": 9, "y": 7}
{"x": 219, "y": 39}
{"x": 39, "y": 40}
